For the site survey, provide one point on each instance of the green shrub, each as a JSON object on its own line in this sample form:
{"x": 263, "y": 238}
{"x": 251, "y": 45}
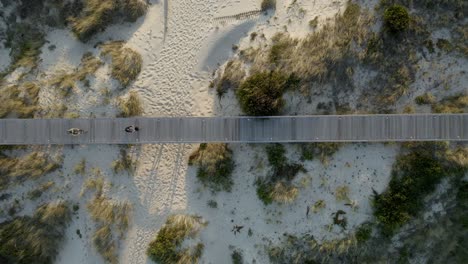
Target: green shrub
{"x": 131, "y": 106}
{"x": 276, "y": 155}
{"x": 261, "y": 93}
{"x": 215, "y": 166}
{"x": 126, "y": 63}
{"x": 236, "y": 257}
{"x": 232, "y": 77}
{"x": 34, "y": 239}
{"x": 444, "y": 45}
{"x": 414, "y": 175}
{"x": 264, "y": 190}
{"x": 363, "y": 233}
{"x": 426, "y": 98}
{"x": 324, "y": 150}
{"x": 396, "y": 18}
{"x": 268, "y": 4}
{"x": 167, "y": 248}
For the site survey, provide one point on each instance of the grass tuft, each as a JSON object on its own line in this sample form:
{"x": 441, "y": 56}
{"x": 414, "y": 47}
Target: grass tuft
{"x": 130, "y": 106}
{"x": 126, "y": 63}
{"x": 167, "y": 247}
{"x": 215, "y": 166}
{"x": 124, "y": 163}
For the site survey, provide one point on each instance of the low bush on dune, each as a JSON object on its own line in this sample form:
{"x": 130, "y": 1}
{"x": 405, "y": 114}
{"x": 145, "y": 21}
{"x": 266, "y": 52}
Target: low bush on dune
{"x": 396, "y": 18}
{"x": 261, "y": 93}
{"x": 130, "y": 106}
{"x": 167, "y": 247}
{"x": 97, "y": 15}
{"x": 37, "y": 238}
{"x": 215, "y": 166}
{"x": 277, "y": 186}
{"x": 29, "y": 166}
{"x": 126, "y": 63}
{"x": 414, "y": 175}
{"x": 322, "y": 150}
{"x": 268, "y": 4}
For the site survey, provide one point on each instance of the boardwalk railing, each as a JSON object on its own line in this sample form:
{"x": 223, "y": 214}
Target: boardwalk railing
{"x": 341, "y": 128}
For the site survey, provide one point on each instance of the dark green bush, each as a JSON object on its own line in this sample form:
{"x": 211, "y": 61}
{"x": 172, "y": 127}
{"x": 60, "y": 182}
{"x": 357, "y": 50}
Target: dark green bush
{"x": 261, "y": 93}
{"x": 215, "y": 166}
{"x": 268, "y": 4}
{"x": 34, "y": 239}
{"x": 363, "y": 233}
{"x": 264, "y": 190}
{"x": 414, "y": 175}
{"x": 396, "y": 18}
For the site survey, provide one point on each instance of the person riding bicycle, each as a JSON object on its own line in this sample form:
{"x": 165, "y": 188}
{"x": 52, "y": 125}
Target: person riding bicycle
{"x": 131, "y": 129}
{"x": 75, "y": 131}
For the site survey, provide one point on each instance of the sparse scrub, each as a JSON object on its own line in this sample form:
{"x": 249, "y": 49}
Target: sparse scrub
{"x": 97, "y": 15}
{"x": 109, "y": 214}
{"x": 277, "y": 186}
{"x": 236, "y": 257}
{"x": 36, "y": 193}
{"x": 444, "y": 45}
{"x": 124, "y": 163}
{"x": 396, "y": 18}
{"x": 314, "y": 22}
{"x": 324, "y": 150}
{"x": 66, "y": 81}
{"x": 37, "y": 238}
{"x": 342, "y": 193}
{"x": 130, "y": 106}
{"x": 452, "y": 104}
{"x": 80, "y": 167}
{"x": 29, "y": 166}
{"x": 215, "y": 166}
{"x": 268, "y": 4}
{"x": 126, "y": 63}
{"x": 96, "y": 185}
{"x": 426, "y": 98}
{"x": 167, "y": 248}
{"x": 319, "y": 205}
{"x": 26, "y": 42}
{"x": 232, "y": 76}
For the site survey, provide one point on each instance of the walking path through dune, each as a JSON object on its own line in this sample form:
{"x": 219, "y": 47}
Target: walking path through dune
{"x": 166, "y": 90}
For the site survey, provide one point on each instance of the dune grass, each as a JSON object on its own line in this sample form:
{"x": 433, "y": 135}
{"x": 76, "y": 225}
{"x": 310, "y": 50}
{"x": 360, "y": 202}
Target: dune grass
{"x": 80, "y": 167}
{"x": 112, "y": 220}
{"x": 20, "y": 100}
{"x": 231, "y": 78}
{"x": 126, "y": 63}
{"x": 65, "y": 81}
{"x": 37, "y": 192}
{"x": 215, "y": 166}
{"x": 167, "y": 247}
{"x": 28, "y": 166}
{"x": 322, "y": 150}
{"x": 452, "y": 104}
{"x": 37, "y": 238}
{"x": 130, "y": 106}
{"x": 277, "y": 186}
{"x": 124, "y": 163}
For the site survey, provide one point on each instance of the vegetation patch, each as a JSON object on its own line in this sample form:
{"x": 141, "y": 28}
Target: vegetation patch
{"x": 124, "y": 163}
{"x": 424, "y": 99}
{"x": 28, "y": 166}
{"x": 97, "y": 15}
{"x": 65, "y": 81}
{"x": 261, "y": 93}
{"x": 130, "y": 106}
{"x": 37, "y": 238}
{"x": 277, "y": 186}
{"x": 268, "y": 4}
{"x": 126, "y": 63}
{"x": 19, "y": 101}
{"x": 414, "y": 175}
{"x": 232, "y": 76}
{"x": 215, "y": 166}
{"x": 452, "y": 104}
{"x": 36, "y": 193}
{"x": 322, "y": 150}
{"x": 168, "y": 248}
{"x": 112, "y": 220}
{"x": 396, "y": 18}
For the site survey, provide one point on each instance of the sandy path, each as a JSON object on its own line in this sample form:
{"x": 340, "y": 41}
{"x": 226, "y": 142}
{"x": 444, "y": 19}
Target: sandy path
{"x": 167, "y": 91}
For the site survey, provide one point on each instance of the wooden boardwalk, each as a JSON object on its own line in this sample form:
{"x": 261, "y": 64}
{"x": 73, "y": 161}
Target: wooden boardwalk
{"x": 344, "y": 128}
